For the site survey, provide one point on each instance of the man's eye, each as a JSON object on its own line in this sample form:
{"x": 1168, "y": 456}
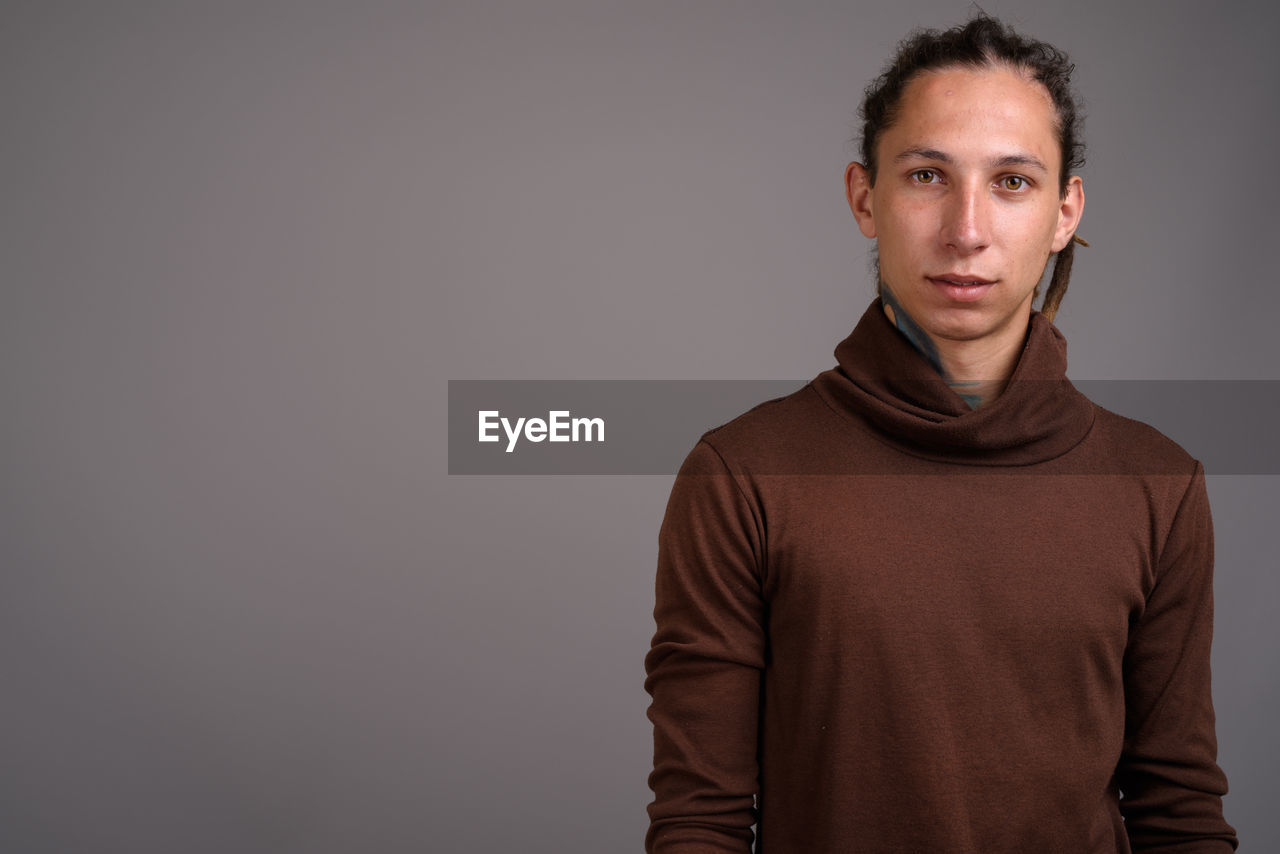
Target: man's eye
{"x": 1013, "y": 182}
{"x": 924, "y": 176}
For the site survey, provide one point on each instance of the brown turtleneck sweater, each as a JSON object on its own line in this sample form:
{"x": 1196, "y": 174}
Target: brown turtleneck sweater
{"x": 902, "y": 625}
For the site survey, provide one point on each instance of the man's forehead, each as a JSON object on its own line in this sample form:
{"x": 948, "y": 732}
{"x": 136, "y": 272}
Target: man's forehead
{"x": 946, "y": 78}
{"x": 993, "y": 114}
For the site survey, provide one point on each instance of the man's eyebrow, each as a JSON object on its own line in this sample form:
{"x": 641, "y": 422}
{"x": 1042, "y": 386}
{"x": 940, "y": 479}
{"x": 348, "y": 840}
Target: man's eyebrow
{"x": 923, "y": 154}
{"x": 943, "y": 157}
{"x": 1019, "y": 160}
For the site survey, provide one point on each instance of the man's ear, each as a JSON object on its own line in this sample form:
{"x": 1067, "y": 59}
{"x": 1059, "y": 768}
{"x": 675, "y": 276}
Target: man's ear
{"x": 1069, "y": 213}
{"x": 857, "y": 188}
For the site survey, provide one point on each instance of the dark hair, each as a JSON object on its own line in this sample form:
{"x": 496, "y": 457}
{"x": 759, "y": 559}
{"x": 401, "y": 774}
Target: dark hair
{"x": 980, "y": 43}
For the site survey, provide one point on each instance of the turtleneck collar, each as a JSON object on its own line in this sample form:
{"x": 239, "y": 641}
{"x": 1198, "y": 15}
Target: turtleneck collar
{"x": 882, "y": 379}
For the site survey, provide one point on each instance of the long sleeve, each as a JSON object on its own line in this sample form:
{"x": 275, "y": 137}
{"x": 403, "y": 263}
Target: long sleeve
{"x": 1168, "y": 774}
{"x": 704, "y": 666}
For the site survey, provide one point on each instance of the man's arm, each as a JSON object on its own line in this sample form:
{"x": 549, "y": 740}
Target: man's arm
{"x": 1168, "y": 774}
{"x": 705, "y": 665}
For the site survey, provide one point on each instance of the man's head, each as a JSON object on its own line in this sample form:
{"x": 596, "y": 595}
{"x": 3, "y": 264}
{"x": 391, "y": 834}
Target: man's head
{"x": 969, "y": 141}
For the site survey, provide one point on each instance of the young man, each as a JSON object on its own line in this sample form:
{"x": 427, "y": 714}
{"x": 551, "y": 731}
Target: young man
{"x": 936, "y": 600}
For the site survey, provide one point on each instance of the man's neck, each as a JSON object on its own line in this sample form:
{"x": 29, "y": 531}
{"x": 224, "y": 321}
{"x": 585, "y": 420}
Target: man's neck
{"x": 977, "y": 370}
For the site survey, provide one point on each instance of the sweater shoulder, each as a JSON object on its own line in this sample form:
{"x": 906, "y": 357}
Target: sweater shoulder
{"x": 1136, "y": 447}
{"x": 771, "y": 433}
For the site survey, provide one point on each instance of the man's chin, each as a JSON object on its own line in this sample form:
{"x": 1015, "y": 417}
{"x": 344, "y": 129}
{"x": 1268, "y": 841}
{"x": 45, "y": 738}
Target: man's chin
{"x": 968, "y": 323}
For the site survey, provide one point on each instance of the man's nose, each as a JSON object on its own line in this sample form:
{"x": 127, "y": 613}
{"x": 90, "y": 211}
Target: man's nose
{"x": 966, "y": 225}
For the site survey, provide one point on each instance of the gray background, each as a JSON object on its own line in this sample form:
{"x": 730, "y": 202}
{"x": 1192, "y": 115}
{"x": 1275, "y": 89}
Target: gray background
{"x": 244, "y": 608}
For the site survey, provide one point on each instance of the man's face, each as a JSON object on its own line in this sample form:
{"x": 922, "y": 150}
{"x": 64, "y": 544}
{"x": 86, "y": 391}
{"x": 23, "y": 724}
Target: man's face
{"x": 967, "y": 191}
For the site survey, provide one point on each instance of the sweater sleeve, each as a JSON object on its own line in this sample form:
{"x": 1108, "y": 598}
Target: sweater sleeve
{"x": 1171, "y": 785}
{"x": 705, "y": 663}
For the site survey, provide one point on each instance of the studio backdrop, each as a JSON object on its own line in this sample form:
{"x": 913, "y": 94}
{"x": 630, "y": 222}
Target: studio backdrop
{"x": 251, "y": 601}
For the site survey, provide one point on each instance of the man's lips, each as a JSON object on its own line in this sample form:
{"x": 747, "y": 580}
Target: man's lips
{"x": 960, "y": 279}
{"x": 962, "y": 287}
